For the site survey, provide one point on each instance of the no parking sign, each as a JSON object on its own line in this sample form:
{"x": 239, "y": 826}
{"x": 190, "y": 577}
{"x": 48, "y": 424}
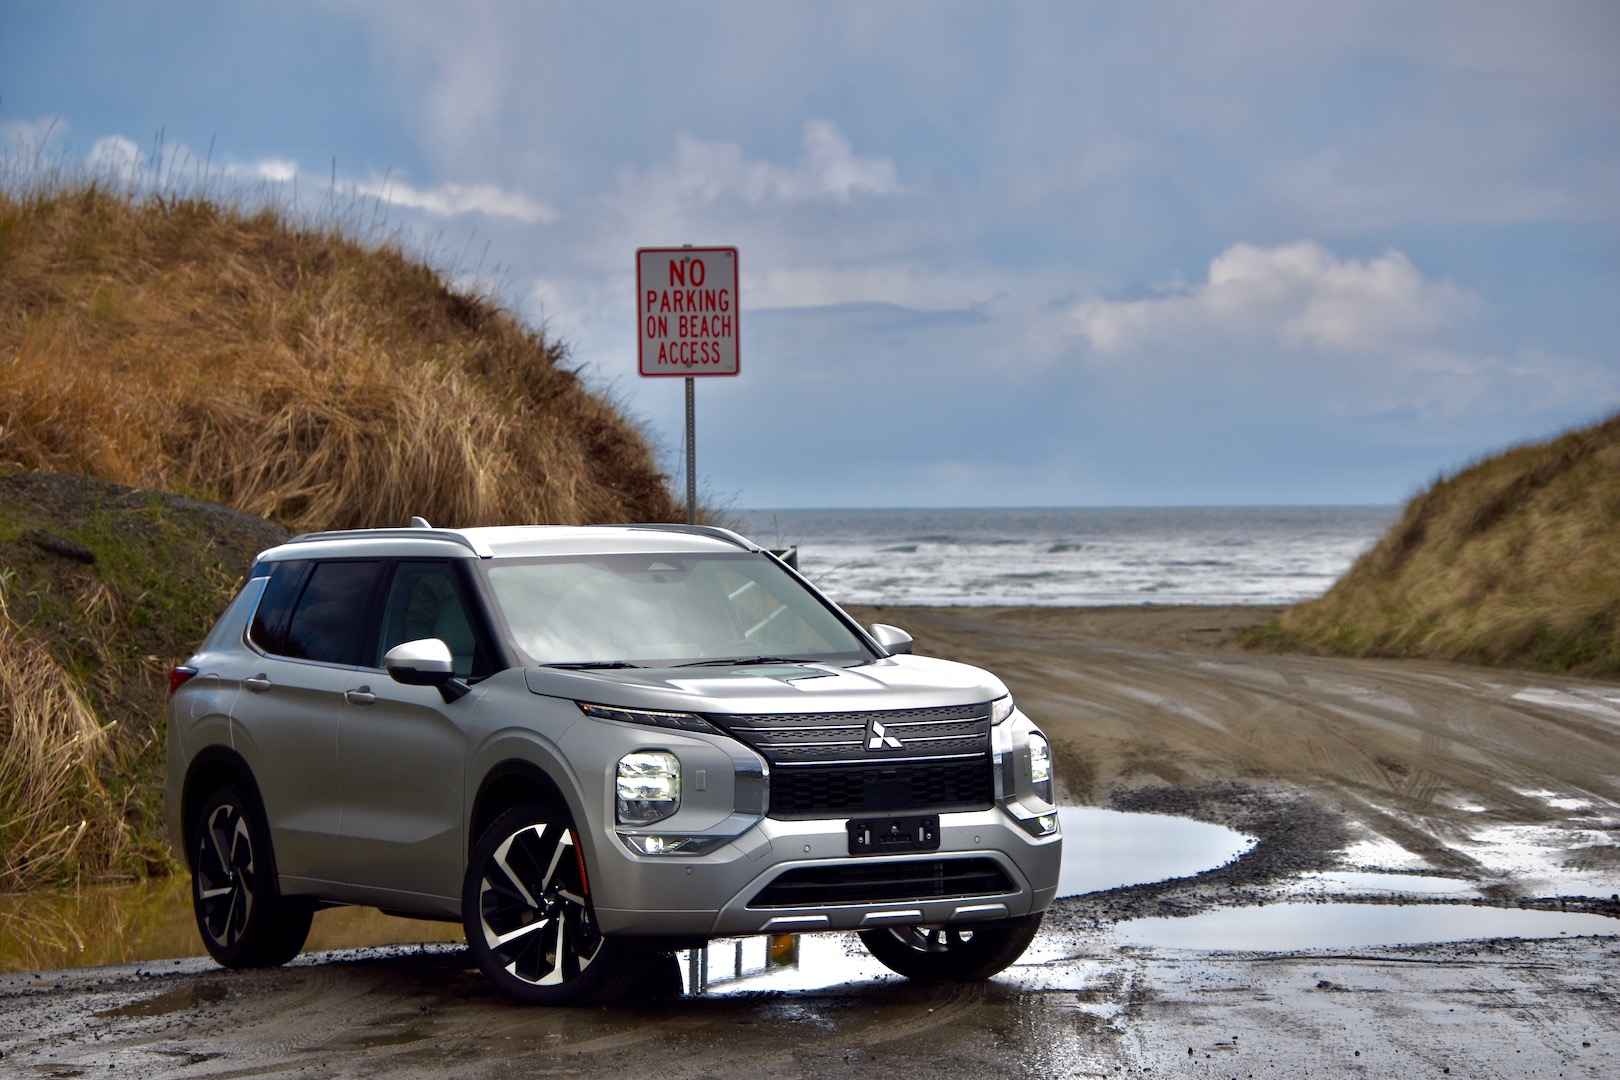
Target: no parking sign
{"x": 686, "y": 311}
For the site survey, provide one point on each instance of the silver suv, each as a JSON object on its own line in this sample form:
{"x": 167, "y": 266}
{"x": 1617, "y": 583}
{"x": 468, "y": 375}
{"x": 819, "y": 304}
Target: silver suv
{"x": 593, "y": 746}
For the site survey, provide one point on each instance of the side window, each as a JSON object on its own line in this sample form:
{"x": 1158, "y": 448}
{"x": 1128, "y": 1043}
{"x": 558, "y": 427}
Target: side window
{"x": 328, "y": 623}
{"x": 424, "y": 602}
{"x": 269, "y": 627}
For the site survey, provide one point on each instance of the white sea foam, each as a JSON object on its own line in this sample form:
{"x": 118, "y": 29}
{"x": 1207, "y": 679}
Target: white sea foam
{"x": 1081, "y": 557}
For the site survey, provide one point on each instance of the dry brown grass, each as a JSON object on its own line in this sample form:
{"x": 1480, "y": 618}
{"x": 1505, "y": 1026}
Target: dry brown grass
{"x": 56, "y": 817}
{"x": 1514, "y": 561}
{"x": 288, "y": 371}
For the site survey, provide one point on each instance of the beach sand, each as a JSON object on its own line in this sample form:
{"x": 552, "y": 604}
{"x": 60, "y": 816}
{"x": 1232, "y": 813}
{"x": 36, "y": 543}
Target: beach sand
{"x": 1413, "y": 765}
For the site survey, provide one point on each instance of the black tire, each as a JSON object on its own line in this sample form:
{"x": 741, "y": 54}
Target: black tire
{"x": 966, "y": 952}
{"x": 242, "y": 916}
{"x": 527, "y": 913}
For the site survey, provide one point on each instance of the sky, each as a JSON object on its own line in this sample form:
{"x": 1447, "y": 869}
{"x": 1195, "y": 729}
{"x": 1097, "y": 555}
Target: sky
{"x": 1259, "y": 252}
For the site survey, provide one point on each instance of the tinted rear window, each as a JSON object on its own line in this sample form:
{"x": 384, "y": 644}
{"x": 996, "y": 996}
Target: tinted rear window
{"x": 269, "y": 628}
{"x": 329, "y": 622}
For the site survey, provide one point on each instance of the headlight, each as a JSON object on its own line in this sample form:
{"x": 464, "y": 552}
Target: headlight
{"x": 1040, "y": 765}
{"x": 647, "y": 717}
{"x": 1000, "y": 709}
{"x": 648, "y": 787}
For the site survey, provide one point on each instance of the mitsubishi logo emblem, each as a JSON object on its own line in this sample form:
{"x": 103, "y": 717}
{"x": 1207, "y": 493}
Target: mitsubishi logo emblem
{"x": 879, "y": 739}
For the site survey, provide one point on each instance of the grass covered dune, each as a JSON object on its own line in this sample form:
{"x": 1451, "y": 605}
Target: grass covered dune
{"x": 1513, "y": 561}
{"x": 288, "y": 369}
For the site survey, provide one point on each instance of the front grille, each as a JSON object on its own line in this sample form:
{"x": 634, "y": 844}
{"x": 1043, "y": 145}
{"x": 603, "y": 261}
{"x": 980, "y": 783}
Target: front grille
{"x": 854, "y": 763}
{"x": 852, "y": 790}
{"x": 811, "y": 738}
{"x": 888, "y": 881}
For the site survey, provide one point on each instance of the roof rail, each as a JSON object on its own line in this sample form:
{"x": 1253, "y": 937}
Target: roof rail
{"x": 712, "y": 531}
{"x": 417, "y": 533}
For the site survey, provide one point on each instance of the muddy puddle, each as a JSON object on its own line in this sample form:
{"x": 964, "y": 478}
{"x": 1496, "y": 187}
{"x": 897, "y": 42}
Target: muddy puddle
{"x": 1294, "y": 927}
{"x": 1107, "y": 849}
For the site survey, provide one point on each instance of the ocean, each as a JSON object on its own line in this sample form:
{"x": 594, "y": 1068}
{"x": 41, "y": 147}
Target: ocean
{"x": 1072, "y": 557}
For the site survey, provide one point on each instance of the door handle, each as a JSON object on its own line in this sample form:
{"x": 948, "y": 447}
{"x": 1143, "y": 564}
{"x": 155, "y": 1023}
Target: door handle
{"x": 257, "y": 683}
{"x": 362, "y": 696}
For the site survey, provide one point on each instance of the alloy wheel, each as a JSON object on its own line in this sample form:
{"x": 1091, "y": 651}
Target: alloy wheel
{"x": 226, "y": 875}
{"x": 534, "y": 914}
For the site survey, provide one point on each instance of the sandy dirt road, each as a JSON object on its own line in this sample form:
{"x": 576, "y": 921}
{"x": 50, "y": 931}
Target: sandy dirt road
{"x": 1490, "y": 793}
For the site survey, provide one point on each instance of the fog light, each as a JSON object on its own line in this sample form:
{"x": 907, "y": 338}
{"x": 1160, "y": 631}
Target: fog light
{"x": 648, "y": 788}
{"x": 1048, "y": 824}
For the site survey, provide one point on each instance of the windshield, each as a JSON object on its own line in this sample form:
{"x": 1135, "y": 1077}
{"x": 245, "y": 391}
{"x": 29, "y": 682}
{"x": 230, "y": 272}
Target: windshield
{"x": 662, "y": 610}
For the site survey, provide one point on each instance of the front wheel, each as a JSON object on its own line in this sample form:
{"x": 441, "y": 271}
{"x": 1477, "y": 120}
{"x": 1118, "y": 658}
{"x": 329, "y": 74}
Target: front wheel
{"x": 243, "y": 918}
{"x": 526, "y": 909}
{"x": 967, "y": 952}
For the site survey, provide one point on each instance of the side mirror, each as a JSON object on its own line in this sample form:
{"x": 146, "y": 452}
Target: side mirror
{"x": 892, "y": 638}
{"x": 425, "y": 662}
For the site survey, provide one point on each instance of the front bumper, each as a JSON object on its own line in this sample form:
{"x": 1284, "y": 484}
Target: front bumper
{"x": 796, "y": 876}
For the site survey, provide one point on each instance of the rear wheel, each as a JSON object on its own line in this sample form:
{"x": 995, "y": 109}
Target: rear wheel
{"x": 966, "y": 952}
{"x": 526, "y": 908}
{"x": 242, "y": 916}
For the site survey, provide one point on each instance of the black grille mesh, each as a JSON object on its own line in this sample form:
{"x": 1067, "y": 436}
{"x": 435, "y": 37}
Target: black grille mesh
{"x": 821, "y": 790}
{"x": 887, "y": 881}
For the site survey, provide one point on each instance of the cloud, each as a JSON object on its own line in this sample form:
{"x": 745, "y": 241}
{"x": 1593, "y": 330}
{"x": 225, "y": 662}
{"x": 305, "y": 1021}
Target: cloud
{"x": 1295, "y": 296}
{"x": 703, "y": 171}
{"x": 454, "y": 200}
{"x": 31, "y": 136}
{"x": 275, "y": 170}
{"x": 121, "y": 156}
{"x": 116, "y": 154}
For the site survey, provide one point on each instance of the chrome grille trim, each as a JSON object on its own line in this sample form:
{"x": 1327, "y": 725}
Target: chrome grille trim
{"x": 820, "y": 738}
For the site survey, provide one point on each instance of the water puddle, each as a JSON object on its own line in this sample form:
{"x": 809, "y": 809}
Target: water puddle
{"x": 1106, "y": 849}
{"x": 1289, "y": 927}
{"x": 186, "y": 998}
{"x": 1405, "y": 884}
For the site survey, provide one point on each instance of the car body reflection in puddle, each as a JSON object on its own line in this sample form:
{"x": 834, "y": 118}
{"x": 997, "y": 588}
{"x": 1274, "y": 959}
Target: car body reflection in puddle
{"x": 777, "y": 963}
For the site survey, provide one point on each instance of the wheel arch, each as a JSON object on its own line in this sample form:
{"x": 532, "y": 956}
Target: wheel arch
{"x": 211, "y": 769}
{"x": 510, "y": 783}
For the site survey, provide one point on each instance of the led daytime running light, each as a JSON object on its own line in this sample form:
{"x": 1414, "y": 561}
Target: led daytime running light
{"x": 646, "y": 717}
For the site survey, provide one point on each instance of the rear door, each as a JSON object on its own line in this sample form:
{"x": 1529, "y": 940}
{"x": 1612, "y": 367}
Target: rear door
{"x": 308, "y": 631}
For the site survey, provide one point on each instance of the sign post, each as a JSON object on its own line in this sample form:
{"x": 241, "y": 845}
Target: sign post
{"x": 686, "y": 316}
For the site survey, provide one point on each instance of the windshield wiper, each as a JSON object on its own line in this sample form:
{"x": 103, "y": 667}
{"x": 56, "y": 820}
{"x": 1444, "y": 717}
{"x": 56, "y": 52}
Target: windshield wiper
{"x": 740, "y": 661}
{"x": 586, "y": 665}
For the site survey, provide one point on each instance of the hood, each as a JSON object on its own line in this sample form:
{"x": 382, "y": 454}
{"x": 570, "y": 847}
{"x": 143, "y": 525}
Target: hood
{"x": 897, "y": 682}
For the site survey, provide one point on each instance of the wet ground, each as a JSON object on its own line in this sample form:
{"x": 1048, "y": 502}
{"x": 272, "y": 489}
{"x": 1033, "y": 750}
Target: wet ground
{"x": 1281, "y": 866}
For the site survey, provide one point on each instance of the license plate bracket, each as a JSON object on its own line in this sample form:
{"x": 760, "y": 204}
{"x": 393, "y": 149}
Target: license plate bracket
{"x": 893, "y": 835}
